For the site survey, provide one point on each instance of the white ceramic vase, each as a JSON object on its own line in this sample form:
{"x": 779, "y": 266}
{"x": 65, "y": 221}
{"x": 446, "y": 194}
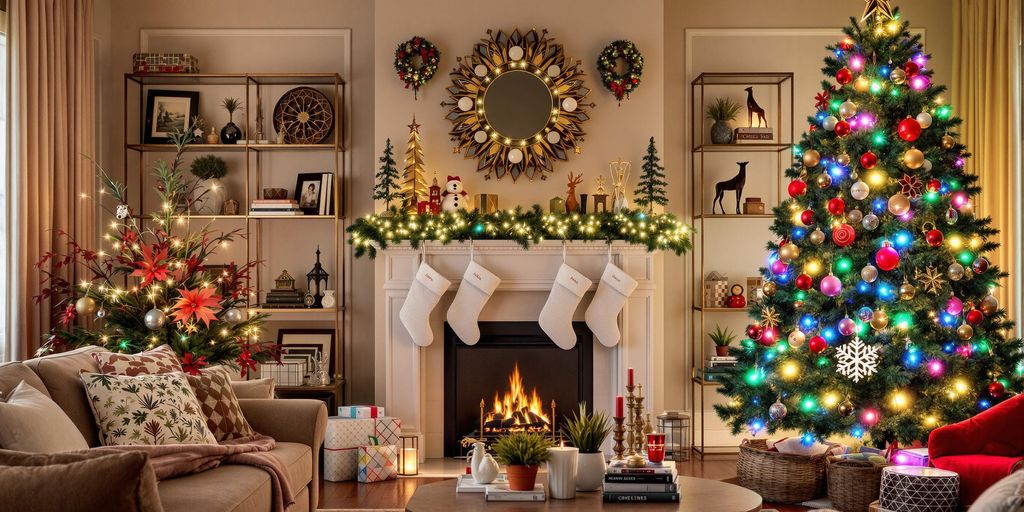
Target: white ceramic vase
{"x": 590, "y": 471}
{"x": 482, "y": 466}
{"x": 328, "y": 300}
{"x": 208, "y": 197}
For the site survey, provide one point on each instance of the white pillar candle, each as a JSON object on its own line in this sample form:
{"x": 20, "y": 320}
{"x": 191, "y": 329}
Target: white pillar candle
{"x": 562, "y": 472}
{"x": 410, "y": 461}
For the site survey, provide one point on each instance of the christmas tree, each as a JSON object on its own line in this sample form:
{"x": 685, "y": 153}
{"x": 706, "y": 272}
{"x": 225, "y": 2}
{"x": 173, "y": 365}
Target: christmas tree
{"x": 387, "y": 187}
{"x": 651, "y": 188}
{"x": 414, "y": 181}
{"x": 878, "y": 318}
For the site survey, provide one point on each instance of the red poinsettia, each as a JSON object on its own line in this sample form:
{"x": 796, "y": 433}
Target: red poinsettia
{"x": 68, "y": 315}
{"x": 153, "y": 266}
{"x": 202, "y": 304}
{"x": 245, "y": 361}
{"x": 192, "y": 364}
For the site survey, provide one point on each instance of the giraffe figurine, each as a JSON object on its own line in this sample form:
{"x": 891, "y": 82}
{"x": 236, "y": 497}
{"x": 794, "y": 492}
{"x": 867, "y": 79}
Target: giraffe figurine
{"x": 736, "y": 183}
{"x": 754, "y": 108}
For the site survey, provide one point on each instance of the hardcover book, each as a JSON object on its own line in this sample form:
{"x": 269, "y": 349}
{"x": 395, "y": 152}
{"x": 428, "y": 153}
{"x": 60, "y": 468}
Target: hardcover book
{"x": 641, "y": 497}
{"x": 501, "y": 492}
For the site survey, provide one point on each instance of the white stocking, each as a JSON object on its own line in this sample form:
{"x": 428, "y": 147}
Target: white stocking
{"x": 603, "y": 314}
{"x": 426, "y": 290}
{"x": 556, "y": 317}
{"x": 476, "y": 288}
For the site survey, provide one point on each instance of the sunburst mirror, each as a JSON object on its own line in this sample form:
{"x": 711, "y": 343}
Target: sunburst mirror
{"x": 516, "y": 105}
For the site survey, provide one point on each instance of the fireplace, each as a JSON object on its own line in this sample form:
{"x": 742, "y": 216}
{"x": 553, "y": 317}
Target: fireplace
{"x": 516, "y": 371}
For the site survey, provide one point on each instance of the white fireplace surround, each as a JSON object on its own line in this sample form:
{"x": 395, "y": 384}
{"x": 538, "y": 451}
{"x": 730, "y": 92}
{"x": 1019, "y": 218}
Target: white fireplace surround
{"x": 409, "y": 380}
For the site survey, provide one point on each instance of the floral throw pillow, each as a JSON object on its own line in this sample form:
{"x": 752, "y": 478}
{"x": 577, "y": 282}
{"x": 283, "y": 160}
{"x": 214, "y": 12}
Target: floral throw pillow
{"x": 146, "y": 409}
{"x": 161, "y": 359}
{"x": 218, "y": 402}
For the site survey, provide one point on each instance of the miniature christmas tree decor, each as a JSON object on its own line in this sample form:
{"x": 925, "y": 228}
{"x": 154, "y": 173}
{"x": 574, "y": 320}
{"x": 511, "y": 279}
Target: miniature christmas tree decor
{"x": 387, "y": 188}
{"x": 651, "y": 189}
{"x": 414, "y": 181}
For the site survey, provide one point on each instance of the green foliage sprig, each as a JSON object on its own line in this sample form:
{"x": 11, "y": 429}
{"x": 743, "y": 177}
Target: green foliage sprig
{"x": 209, "y": 167}
{"x": 722, "y": 109}
{"x": 587, "y": 431}
{"x": 522, "y": 449}
{"x": 722, "y": 337}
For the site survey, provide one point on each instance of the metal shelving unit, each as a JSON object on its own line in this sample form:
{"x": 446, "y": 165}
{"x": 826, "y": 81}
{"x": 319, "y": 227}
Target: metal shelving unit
{"x": 781, "y": 83}
{"x": 253, "y": 84}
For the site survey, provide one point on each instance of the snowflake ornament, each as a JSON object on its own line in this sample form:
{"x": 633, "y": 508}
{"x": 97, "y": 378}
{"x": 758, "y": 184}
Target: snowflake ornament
{"x": 122, "y": 211}
{"x": 931, "y": 278}
{"x": 857, "y": 360}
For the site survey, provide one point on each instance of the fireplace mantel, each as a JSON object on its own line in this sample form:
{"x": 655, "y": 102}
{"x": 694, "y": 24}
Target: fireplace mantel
{"x": 409, "y": 380}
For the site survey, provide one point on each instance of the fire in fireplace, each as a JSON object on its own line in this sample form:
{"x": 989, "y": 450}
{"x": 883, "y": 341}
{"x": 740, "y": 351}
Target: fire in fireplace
{"x": 515, "y": 410}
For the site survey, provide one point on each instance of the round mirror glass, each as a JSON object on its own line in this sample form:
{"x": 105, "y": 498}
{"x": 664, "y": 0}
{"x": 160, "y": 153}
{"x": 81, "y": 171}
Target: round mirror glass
{"x": 517, "y": 104}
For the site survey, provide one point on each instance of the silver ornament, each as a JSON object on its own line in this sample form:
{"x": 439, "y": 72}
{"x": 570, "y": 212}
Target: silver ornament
{"x": 927, "y": 166}
{"x": 989, "y": 305}
{"x": 955, "y": 272}
{"x": 869, "y": 273}
{"x": 829, "y": 123}
{"x": 847, "y": 109}
{"x": 854, "y": 216}
{"x": 817, "y": 237}
{"x": 85, "y": 306}
{"x": 777, "y": 411}
{"x": 154, "y": 319}
{"x": 101, "y": 314}
{"x": 924, "y": 119}
{"x": 870, "y": 222}
{"x": 233, "y": 316}
{"x": 952, "y": 216}
{"x": 859, "y": 190}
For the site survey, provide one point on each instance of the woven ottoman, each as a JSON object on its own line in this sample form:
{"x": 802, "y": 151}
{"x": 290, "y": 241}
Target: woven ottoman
{"x": 918, "y": 489}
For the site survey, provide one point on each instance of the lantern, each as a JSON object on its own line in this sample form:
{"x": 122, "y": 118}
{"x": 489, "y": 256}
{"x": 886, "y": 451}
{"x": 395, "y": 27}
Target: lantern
{"x": 676, "y": 426}
{"x": 316, "y": 282}
{"x": 408, "y": 455}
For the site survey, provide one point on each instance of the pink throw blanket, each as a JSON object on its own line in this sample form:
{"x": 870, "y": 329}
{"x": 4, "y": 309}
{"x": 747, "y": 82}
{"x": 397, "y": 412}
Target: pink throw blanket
{"x": 171, "y": 460}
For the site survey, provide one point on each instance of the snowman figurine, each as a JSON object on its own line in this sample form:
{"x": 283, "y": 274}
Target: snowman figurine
{"x": 453, "y": 197}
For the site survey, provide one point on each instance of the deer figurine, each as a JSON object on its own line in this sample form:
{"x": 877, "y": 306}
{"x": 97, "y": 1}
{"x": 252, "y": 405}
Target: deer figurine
{"x": 572, "y": 204}
{"x": 754, "y": 108}
{"x": 736, "y": 183}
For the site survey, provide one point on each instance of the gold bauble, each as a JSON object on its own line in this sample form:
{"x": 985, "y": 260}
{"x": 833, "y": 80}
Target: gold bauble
{"x": 769, "y": 288}
{"x": 843, "y": 159}
{"x": 907, "y": 291}
{"x": 948, "y": 142}
{"x": 85, "y": 306}
{"x": 811, "y": 158}
{"x": 913, "y": 158}
{"x": 965, "y": 332}
{"x": 796, "y": 339}
{"x": 898, "y": 76}
{"x": 899, "y": 204}
{"x": 989, "y": 305}
{"x": 789, "y": 252}
{"x": 823, "y": 180}
{"x": 879, "y": 320}
{"x": 847, "y": 109}
{"x": 862, "y": 84}
{"x": 817, "y": 237}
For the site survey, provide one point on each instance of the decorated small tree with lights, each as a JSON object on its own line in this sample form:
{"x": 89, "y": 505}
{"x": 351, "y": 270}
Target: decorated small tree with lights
{"x": 878, "y": 319}
{"x": 414, "y": 181}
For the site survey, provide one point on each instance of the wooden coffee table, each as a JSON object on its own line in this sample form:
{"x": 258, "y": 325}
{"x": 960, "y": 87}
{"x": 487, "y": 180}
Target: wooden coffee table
{"x": 696, "y": 494}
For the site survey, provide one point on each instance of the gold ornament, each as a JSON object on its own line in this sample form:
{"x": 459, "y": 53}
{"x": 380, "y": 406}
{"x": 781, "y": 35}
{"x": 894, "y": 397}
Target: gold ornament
{"x": 796, "y": 339}
{"x": 898, "y": 76}
{"x": 817, "y": 237}
{"x": 789, "y": 252}
{"x": 823, "y": 180}
{"x": 965, "y": 332}
{"x": 907, "y": 290}
{"x": 913, "y": 158}
{"x": 989, "y": 305}
{"x": 879, "y": 320}
{"x": 769, "y": 288}
{"x": 899, "y": 204}
{"x": 811, "y": 158}
{"x": 843, "y": 159}
{"x": 931, "y": 279}
{"x": 862, "y": 84}
{"x": 955, "y": 272}
{"x": 769, "y": 317}
{"x": 846, "y": 408}
{"x": 877, "y": 9}
{"x": 85, "y": 306}
{"x": 948, "y": 141}
{"x": 847, "y": 109}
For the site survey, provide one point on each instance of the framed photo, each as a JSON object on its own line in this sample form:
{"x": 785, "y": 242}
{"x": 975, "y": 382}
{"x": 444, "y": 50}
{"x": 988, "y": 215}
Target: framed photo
{"x": 168, "y": 112}
{"x": 313, "y": 192}
{"x": 303, "y": 342}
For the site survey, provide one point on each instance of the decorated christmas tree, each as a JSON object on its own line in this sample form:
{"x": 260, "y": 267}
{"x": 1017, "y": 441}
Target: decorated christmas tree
{"x": 387, "y": 188}
{"x": 414, "y": 181}
{"x": 156, "y": 285}
{"x": 878, "y": 318}
{"x": 651, "y": 188}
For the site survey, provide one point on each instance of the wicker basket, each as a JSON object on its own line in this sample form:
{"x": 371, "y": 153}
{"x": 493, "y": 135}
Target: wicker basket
{"x": 780, "y": 477}
{"x": 853, "y": 484}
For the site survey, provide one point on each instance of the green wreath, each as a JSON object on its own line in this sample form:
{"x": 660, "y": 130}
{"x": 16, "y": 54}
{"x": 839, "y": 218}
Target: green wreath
{"x": 620, "y": 84}
{"x": 415, "y": 76}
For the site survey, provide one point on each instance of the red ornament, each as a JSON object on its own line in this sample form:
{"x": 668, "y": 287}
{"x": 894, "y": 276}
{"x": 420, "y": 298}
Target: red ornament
{"x": 842, "y": 128}
{"x": 843, "y": 235}
{"x": 735, "y": 301}
{"x": 887, "y": 258}
{"x": 817, "y": 344}
{"x": 844, "y": 76}
{"x": 934, "y": 185}
{"x": 797, "y": 188}
{"x": 996, "y": 389}
{"x": 980, "y": 265}
{"x": 911, "y": 68}
{"x": 933, "y": 237}
{"x": 754, "y": 331}
{"x": 769, "y": 337}
{"x": 868, "y": 160}
{"x": 804, "y": 282}
{"x": 975, "y": 317}
{"x": 807, "y": 217}
{"x": 846, "y": 44}
{"x": 909, "y": 129}
{"x": 836, "y": 206}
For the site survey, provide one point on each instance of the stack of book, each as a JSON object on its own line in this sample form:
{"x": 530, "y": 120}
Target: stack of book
{"x": 275, "y": 207}
{"x": 716, "y": 366}
{"x": 640, "y": 485}
{"x": 284, "y": 298}
{"x": 501, "y": 492}
{"x": 754, "y": 135}
{"x": 466, "y": 484}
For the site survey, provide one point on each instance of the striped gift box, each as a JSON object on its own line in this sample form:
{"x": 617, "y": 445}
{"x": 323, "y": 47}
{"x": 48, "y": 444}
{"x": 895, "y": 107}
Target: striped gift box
{"x": 360, "y": 411}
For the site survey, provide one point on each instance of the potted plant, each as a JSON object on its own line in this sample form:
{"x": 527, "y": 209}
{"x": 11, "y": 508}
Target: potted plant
{"x": 587, "y": 432}
{"x": 209, "y": 193}
{"x": 231, "y": 133}
{"x": 721, "y": 111}
{"x": 522, "y": 453}
{"x": 722, "y": 338}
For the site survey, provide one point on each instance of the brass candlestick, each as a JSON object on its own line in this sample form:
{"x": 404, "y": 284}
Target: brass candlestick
{"x": 629, "y": 419}
{"x": 554, "y": 421}
{"x": 618, "y": 435}
{"x": 636, "y": 459}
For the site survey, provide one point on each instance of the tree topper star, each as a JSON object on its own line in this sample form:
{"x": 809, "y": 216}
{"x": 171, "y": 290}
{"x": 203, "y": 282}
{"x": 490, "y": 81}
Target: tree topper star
{"x": 879, "y": 8}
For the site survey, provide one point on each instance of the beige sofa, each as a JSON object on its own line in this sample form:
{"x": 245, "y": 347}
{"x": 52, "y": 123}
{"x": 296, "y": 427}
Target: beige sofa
{"x": 297, "y": 425}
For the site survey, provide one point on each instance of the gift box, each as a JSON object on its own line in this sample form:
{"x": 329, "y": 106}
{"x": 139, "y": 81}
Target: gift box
{"x": 378, "y": 463}
{"x": 753, "y": 206}
{"x": 716, "y": 290}
{"x": 343, "y": 438}
{"x": 164, "y": 63}
{"x": 360, "y": 411}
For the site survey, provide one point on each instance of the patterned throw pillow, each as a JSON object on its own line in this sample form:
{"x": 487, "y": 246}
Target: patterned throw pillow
{"x": 161, "y": 359}
{"x": 220, "y": 406}
{"x": 147, "y": 409}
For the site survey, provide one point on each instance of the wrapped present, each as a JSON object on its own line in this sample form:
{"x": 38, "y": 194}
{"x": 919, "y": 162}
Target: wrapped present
{"x": 360, "y": 411}
{"x": 164, "y": 63}
{"x": 343, "y": 438}
{"x": 716, "y": 290}
{"x": 378, "y": 463}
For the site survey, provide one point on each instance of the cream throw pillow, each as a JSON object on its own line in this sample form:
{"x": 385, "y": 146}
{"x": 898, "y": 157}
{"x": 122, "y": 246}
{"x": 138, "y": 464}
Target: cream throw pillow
{"x": 31, "y": 422}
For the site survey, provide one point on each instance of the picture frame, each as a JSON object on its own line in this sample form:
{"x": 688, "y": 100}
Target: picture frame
{"x": 167, "y": 111}
{"x": 313, "y": 192}
{"x": 307, "y": 342}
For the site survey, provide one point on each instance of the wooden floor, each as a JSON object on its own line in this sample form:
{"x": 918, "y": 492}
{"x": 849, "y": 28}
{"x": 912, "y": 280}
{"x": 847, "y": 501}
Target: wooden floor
{"x": 396, "y": 493}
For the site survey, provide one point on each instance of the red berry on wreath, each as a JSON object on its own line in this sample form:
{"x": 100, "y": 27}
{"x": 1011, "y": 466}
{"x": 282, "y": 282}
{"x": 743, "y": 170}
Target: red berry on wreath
{"x": 868, "y": 160}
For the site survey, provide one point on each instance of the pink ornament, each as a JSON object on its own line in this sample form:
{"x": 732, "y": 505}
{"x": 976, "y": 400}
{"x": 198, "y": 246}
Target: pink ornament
{"x": 769, "y": 336}
{"x": 954, "y": 306}
{"x": 959, "y": 199}
{"x": 919, "y": 83}
{"x": 831, "y": 285}
{"x": 869, "y": 417}
{"x": 887, "y": 258}
{"x": 856, "y": 62}
{"x": 965, "y": 351}
{"x": 936, "y": 368}
{"x": 779, "y": 267}
{"x": 847, "y": 326}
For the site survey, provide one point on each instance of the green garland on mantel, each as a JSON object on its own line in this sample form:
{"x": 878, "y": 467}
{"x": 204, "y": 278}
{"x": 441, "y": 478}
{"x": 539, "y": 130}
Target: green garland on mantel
{"x": 658, "y": 232}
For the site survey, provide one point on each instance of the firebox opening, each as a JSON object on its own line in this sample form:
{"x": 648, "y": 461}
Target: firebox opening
{"x": 516, "y": 410}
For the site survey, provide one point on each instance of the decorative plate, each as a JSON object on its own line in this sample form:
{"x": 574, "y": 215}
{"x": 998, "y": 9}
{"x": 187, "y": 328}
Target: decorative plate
{"x": 304, "y": 115}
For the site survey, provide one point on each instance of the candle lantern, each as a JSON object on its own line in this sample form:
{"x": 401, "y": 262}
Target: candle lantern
{"x": 409, "y": 455}
{"x": 676, "y": 427}
{"x": 316, "y": 283}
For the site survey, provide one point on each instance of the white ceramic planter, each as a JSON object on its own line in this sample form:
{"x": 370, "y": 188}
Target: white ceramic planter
{"x": 208, "y": 197}
{"x": 590, "y": 471}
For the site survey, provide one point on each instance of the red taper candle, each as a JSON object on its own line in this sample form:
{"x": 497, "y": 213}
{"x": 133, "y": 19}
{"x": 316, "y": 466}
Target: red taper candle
{"x": 618, "y": 407}
{"x": 629, "y": 376}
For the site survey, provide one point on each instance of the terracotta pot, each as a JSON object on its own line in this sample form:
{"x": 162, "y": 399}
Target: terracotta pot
{"x": 521, "y": 478}
{"x": 721, "y": 351}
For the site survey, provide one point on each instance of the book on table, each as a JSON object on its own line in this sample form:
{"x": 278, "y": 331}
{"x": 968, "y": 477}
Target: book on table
{"x": 501, "y": 492}
{"x": 651, "y": 484}
{"x": 466, "y": 484}
{"x": 665, "y": 478}
{"x": 640, "y": 487}
{"x": 641, "y": 497}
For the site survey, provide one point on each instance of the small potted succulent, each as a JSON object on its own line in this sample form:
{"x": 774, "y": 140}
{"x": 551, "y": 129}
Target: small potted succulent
{"x": 522, "y": 454}
{"x": 721, "y": 111}
{"x": 587, "y": 432}
{"x": 230, "y": 133}
{"x": 722, "y": 338}
{"x": 208, "y": 194}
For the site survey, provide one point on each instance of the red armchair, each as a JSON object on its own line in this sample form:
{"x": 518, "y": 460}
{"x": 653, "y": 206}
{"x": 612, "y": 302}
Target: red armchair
{"x": 982, "y": 449}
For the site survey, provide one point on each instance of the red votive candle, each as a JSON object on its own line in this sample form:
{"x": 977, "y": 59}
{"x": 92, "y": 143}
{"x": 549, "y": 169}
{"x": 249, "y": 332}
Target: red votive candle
{"x": 656, "y": 447}
{"x": 618, "y": 407}
{"x": 629, "y": 377}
